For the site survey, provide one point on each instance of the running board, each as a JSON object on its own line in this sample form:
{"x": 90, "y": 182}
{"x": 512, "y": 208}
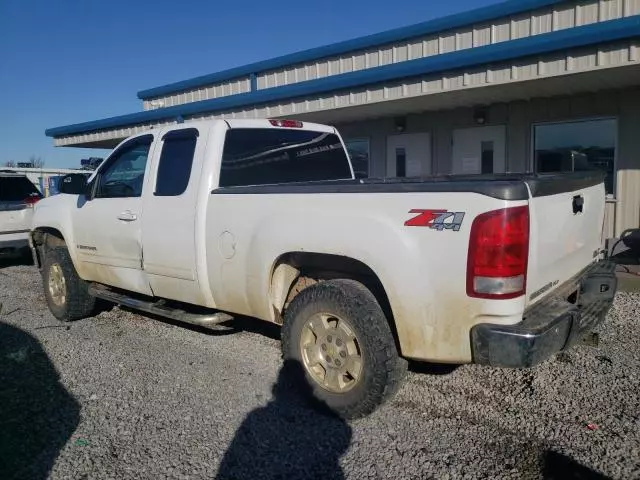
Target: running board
{"x": 158, "y": 307}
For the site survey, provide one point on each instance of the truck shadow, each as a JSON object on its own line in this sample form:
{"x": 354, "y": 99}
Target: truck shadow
{"x": 237, "y": 325}
{"x": 287, "y": 438}
{"x": 556, "y": 466}
{"x": 432, "y": 368}
{"x": 37, "y": 414}
{"x": 16, "y": 260}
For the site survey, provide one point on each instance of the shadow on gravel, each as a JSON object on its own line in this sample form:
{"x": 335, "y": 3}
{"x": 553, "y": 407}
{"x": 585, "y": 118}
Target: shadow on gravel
{"x": 37, "y": 414}
{"x": 557, "y": 466}
{"x": 432, "y": 368}
{"x": 286, "y": 439}
{"x": 237, "y": 325}
{"x": 15, "y": 260}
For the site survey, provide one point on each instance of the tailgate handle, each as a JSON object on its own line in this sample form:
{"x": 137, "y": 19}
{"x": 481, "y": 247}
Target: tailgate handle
{"x": 578, "y": 204}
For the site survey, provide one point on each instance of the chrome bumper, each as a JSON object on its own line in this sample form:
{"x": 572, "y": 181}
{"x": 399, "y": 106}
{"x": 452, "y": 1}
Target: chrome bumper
{"x": 549, "y": 327}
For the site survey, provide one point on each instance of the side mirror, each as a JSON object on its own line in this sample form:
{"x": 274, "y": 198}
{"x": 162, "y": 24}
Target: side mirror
{"x": 73, "y": 184}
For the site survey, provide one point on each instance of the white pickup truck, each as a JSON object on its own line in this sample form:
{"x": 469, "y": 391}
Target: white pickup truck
{"x": 202, "y": 221}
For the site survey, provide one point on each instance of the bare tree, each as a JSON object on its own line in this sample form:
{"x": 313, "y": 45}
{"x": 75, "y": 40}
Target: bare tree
{"x": 37, "y": 162}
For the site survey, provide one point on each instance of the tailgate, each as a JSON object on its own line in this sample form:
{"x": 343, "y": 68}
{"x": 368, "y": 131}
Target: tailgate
{"x": 567, "y": 220}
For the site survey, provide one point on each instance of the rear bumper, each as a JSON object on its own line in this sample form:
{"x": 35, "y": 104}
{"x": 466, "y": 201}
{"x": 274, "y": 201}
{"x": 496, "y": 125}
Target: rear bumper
{"x": 553, "y": 325}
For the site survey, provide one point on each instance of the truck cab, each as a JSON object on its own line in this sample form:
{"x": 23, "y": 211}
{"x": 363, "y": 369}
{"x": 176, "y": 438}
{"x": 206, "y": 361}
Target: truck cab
{"x": 153, "y": 191}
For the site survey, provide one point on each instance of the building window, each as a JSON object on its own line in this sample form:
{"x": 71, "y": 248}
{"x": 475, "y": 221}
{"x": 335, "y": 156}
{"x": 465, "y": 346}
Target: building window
{"x": 575, "y": 146}
{"x": 358, "y": 149}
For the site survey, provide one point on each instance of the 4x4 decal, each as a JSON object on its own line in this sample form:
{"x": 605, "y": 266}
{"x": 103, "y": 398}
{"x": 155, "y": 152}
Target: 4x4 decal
{"x": 437, "y": 219}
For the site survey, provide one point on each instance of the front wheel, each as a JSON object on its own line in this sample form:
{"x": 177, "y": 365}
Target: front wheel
{"x": 339, "y": 334}
{"x": 67, "y": 294}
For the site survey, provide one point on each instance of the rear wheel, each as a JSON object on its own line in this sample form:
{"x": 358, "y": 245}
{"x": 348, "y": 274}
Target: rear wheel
{"x": 67, "y": 294}
{"x": 339, "y": 334}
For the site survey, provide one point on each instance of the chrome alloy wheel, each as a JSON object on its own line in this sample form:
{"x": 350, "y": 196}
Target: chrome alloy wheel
{"x": 57, "y": 285}
{"x": 331, "y": 353}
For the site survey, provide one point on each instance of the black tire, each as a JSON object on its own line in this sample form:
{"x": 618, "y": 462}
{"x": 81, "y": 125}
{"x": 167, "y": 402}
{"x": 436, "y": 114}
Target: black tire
{"x": 383, "y": 369}
{"x": 78, "y": 303}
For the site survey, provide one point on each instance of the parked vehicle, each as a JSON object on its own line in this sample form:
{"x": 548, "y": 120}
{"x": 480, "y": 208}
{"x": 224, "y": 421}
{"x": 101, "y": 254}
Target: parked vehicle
{"x": 203, "y": 221}
{"x": 17, "y": 198}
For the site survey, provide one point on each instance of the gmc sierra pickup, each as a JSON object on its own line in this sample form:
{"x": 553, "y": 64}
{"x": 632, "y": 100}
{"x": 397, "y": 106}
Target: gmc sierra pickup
{"x": 202, "y": 221}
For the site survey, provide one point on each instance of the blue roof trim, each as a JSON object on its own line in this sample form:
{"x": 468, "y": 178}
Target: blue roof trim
{"x": 570, "y": 38}
{"x": 491, "y": 12}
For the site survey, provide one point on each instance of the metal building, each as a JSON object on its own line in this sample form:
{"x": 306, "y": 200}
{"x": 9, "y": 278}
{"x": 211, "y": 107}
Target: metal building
{"x": 524, "y": 85}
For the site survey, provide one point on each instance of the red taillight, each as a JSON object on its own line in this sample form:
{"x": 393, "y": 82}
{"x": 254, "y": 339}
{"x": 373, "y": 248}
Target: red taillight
{"x": 31, "y": 200}
{"x": 286, "y": 123}
{"x": 498, "y": 254}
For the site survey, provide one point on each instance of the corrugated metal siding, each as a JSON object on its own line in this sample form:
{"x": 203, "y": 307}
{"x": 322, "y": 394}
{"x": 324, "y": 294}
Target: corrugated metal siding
{"x": 581, "y": 60}
{"x": 241, "y": 85}
{"x": 610, "y": 219}
{"x": 569, "y": 15}
{"x": 574, "y": 61}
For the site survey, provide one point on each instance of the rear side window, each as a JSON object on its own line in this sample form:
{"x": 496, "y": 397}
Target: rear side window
{"x": 176, "y": 160}
{"x": 16, "y": 189}
{"x": 254, "y": 156}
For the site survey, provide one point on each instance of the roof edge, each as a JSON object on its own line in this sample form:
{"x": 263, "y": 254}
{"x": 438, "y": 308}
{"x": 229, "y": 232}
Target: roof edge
{"x": 490, "y": 12}
{"x": 611, "y": 30}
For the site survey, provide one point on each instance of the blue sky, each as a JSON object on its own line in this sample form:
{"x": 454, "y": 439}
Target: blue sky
{"x": 70, "y": 61}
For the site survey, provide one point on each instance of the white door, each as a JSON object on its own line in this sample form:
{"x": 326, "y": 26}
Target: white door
{"x": 108, "y": 227}
{"x": 168, "y": 227}
{"x": 479, "y": 150}
{"x": 409, "y": 155}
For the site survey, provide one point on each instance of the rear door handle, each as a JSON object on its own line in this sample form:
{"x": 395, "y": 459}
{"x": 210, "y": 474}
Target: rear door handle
{"x": 127, "y": 216}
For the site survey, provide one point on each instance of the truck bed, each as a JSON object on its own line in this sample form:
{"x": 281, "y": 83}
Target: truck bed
{"x": 511, "y": 186}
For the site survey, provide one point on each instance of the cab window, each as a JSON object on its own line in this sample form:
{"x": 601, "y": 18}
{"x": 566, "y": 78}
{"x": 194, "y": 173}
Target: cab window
{"x": 123, "y": 176}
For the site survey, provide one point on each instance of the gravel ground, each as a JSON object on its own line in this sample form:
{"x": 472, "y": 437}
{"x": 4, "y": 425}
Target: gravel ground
{"x": 125, "y": 396}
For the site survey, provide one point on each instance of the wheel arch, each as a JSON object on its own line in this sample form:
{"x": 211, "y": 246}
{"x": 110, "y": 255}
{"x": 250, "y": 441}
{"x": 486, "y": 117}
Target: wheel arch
{"x": 292, "y": 272}
{"x": 43, "y": 238}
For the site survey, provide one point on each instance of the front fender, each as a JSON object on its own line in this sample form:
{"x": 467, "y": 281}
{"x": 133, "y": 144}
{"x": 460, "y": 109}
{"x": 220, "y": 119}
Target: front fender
{"x": 54, "y": 213}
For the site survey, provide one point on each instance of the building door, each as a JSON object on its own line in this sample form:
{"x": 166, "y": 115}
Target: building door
{"x": 479, "y": 150}
{"x": 409, "y": 155}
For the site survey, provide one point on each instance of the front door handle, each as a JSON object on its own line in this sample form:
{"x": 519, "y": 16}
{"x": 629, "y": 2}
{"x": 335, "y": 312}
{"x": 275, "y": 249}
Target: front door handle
{"x": 127, "y": 216}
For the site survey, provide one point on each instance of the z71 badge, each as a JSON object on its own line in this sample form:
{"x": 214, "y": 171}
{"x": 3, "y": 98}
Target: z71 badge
{"x": 437, "y": 219}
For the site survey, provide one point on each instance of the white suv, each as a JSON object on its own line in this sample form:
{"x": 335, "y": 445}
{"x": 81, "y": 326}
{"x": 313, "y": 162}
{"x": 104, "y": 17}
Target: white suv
{"x": 18, "y": 195}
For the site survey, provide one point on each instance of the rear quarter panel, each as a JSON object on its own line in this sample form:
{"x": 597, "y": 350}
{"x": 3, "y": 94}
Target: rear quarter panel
{"x": 422, "y": 269}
